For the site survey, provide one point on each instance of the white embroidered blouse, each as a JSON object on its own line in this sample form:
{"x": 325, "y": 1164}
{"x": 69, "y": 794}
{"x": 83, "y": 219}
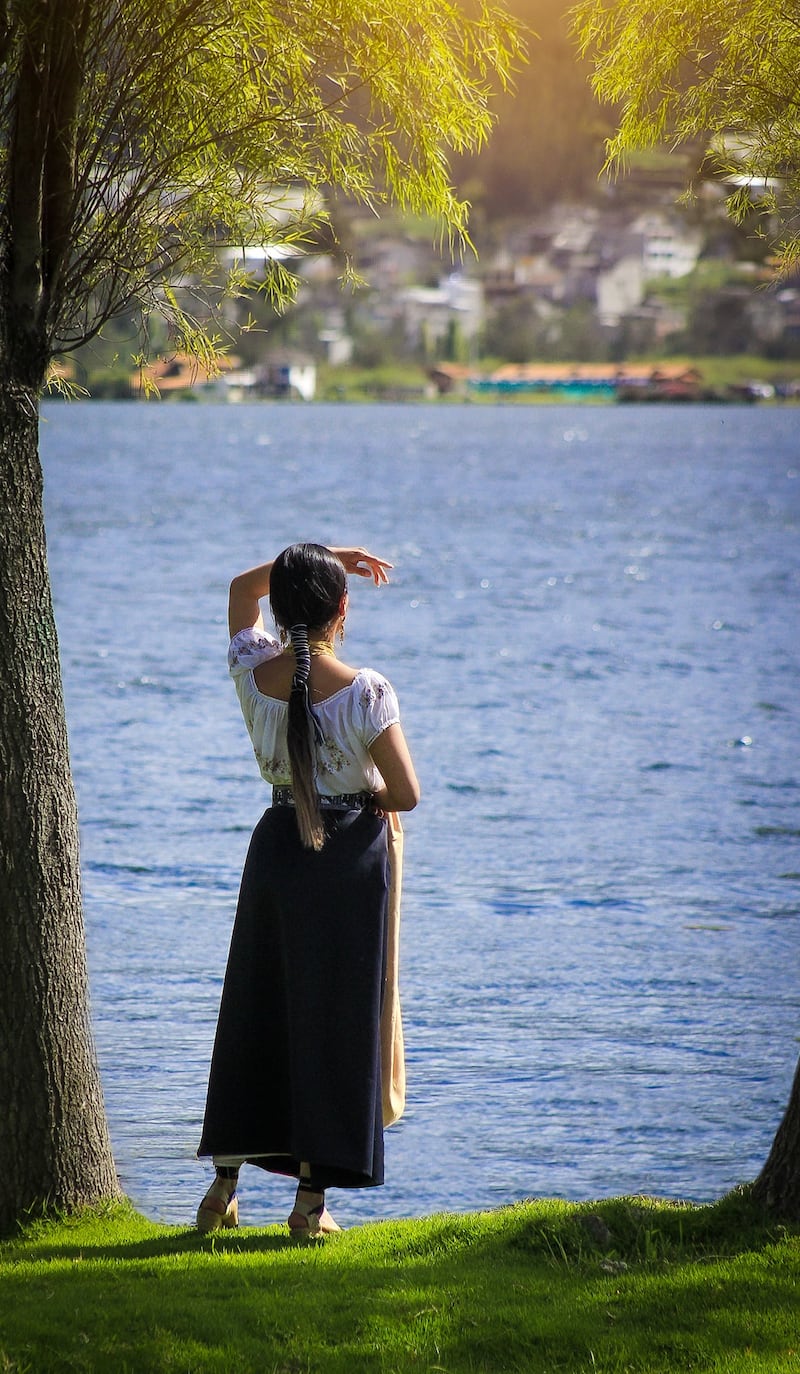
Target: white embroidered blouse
{"x": 351, "y": 720}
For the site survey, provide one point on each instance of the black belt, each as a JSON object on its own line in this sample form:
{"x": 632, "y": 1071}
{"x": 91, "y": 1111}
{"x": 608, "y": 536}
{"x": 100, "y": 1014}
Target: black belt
{"x": 345, "y": 801}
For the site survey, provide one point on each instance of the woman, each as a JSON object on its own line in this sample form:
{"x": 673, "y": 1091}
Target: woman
{"x": 295, "y": 1083}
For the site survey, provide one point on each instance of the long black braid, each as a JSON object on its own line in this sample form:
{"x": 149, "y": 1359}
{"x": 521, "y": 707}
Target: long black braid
{"x": 307, "y": 584}
{"x": 304, "y": 733}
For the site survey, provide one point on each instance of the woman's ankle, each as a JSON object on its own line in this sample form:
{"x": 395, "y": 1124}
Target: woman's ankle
{"x": 308, "y": 1199}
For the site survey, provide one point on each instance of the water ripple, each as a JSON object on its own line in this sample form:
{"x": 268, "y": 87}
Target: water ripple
{"x": 595, "y": 646}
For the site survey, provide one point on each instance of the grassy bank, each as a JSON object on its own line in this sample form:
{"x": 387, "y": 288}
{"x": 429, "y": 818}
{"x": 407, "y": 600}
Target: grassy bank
{"x": 624, "y": 1285}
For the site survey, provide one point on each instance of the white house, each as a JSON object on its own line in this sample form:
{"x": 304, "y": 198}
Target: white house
{"x": 429, "y": 311}
{"x": 669, "y": 248}
{"x": 620, "y": 289}
{"x": 289, "y": 375}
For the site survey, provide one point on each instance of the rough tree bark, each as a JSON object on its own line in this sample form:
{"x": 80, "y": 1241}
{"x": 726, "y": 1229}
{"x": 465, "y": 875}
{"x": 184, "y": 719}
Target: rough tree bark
{"x": 54, "y": 1145}
{"x": 778, "y": 1185}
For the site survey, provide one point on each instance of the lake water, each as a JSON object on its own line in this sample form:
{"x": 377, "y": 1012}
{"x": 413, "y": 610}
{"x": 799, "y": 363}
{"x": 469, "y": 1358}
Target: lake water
{"x": 593, "y": 629}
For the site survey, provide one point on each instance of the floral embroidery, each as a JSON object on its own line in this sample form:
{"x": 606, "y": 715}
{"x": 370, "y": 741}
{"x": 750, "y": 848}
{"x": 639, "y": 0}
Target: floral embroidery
{"x": 249, "y": 648}
{"x": 335, "y": 759}
{"x": 373, "y": 691}
{"x": 276, "y": 767}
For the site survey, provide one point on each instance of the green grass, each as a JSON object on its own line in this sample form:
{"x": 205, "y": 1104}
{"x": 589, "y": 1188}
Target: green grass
{"x": 741, "y": 367}
{"x": 624, "y": 1285}
{"x": 395, "y": 381}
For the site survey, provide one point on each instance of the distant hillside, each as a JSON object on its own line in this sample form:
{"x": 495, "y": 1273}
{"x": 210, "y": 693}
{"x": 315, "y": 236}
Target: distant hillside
{"x": 548, "y": 141}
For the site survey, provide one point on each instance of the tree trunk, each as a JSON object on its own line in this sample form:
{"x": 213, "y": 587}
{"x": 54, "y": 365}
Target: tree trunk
{"x": 55, "y": 1151}
{"x": 778, "y": 1185}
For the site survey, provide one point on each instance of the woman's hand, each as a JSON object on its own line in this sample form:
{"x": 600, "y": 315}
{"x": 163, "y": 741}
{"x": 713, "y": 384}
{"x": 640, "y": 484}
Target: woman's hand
{"x": 364, "y": 564}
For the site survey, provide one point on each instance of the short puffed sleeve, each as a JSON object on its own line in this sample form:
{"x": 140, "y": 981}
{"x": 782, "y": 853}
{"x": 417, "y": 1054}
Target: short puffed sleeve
{"x": 379, "y": 705}
{"x": 249, "y": 648}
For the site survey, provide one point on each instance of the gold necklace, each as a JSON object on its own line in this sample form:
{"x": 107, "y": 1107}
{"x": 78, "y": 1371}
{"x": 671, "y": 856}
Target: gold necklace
{"x": 321, "y": 646}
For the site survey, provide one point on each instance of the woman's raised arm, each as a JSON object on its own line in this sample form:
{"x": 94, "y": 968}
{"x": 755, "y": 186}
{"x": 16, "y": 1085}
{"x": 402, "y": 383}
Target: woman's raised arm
{"x": 247, "y": 590}
{"x": 244, "y": 596}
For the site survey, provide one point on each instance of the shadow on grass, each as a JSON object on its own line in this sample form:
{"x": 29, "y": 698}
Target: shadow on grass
{"x": 634, "y": 1229}
{"x": 188, "y": 1242}
{"x": 529, "y": 1288}
{"x": 463, "y": 1312}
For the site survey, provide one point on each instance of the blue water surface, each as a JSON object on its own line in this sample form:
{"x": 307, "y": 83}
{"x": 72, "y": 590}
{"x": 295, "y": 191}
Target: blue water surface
{"x": 592, "y": 625}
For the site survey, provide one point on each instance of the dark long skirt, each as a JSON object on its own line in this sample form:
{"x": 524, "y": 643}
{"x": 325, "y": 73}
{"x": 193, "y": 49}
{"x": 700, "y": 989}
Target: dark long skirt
{"x": 296, "y": 1070}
